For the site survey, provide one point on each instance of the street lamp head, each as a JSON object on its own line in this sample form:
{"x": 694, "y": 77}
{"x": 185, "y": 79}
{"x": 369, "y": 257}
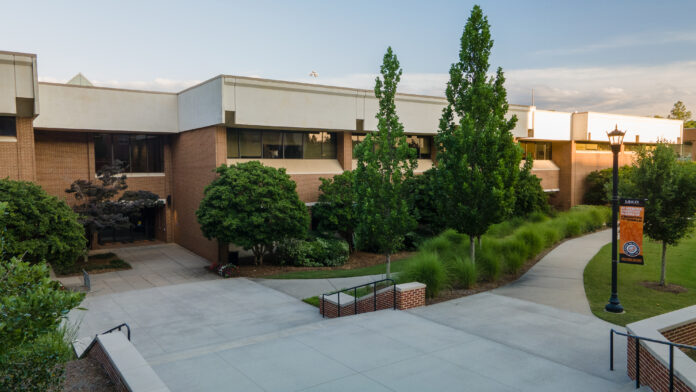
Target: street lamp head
{"x": 616, "y": 138}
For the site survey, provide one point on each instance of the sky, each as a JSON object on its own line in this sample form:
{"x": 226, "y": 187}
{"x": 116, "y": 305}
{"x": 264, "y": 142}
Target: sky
{"x": 619, "y": 56}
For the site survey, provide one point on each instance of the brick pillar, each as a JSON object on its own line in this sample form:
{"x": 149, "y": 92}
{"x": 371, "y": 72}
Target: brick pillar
{"x": 26, "y": 160}
{"x": 168, "y": 235}
{"x": 344, "y": 150}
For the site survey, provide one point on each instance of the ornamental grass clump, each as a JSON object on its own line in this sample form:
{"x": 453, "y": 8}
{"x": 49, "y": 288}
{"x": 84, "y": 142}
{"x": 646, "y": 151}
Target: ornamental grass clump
{"x": 426, "y": 268}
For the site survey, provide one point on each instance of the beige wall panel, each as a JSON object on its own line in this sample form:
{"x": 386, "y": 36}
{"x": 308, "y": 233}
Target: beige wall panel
{"x": 550, "y": 125}
{"x": 297, "y": 106}
{"x": 201, "y": 106}
{"x": 24, "y": 76}
{"x": 7, "y": 85}
{"x": 649, "y": 129}
{"x": 75, "y": 107}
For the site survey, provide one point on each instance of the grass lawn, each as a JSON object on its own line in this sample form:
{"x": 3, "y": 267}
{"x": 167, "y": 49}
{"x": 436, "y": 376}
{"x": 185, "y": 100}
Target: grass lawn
{"x": 638, "y": 301}
{"x": 396, "y": 266}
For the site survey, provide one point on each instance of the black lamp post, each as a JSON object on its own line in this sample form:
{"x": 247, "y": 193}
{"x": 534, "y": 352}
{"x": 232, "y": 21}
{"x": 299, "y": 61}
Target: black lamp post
{"x": 615, "y": 139}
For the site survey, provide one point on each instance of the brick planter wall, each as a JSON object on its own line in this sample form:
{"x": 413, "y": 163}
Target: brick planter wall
{"x": 97, "y": 353}
{"x": 408, "y": 295}
{"x": 683, "y": 334}
{"x": 652, "y": 372}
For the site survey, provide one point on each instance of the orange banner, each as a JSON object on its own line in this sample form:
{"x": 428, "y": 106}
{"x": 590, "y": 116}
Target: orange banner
{"x": 631, "y": 215}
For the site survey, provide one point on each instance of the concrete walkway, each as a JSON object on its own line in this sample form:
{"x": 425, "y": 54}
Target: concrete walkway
{"x": 237, "y": 335}
{"x": 557, "y": 279}
{"x": 304, "y": 288}
{"x": 153, "y": 266}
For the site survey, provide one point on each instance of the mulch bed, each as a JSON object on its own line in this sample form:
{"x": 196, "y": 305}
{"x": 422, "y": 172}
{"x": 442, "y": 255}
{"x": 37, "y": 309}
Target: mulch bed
{"x": 86, "y": 375}
{"x": 668, "y": 288}
{"x": 97, "y": 264}
{"x": 356, "y": 260}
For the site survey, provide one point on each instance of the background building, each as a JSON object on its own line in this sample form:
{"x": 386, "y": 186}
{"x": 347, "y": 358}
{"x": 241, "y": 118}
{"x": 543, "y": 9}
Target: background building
{"x": 54, "y": 134}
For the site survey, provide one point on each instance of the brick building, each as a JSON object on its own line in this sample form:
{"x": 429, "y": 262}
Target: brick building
{"x": 53, "y": 134}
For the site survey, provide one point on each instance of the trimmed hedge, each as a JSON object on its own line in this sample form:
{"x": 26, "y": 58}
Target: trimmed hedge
{"x": 317, "y": 252}
{"x": 504, "y": 249}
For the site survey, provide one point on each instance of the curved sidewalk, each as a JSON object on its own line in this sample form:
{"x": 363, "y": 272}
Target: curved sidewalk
{"x": 556, "y": 280}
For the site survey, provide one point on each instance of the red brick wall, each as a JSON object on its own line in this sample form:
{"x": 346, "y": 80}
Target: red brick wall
{"x": 652, "y": 372}
{"x": 195, "y": 154}
{"x": 17, "y": 158}
{"x": 63, "y": 157}
{"x": 683, "y": 334}
{"x": 97, "y": 353}
{"x": 308, "y": 185}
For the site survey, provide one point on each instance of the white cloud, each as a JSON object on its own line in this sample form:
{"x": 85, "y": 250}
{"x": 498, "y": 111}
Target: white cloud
{"x": 626, "y": 41}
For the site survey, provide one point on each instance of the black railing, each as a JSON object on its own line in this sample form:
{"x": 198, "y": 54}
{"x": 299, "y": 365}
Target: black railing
{"x": 118, "y": 328}
{"x": 638, "y": 339}
{"x": 355, "y": 296}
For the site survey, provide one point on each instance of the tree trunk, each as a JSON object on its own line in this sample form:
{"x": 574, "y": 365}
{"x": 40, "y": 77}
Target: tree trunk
{"x": 222, "y": 252}
{"x": 388, "y": 265}
{"x": 472, "y": 249}
{"x": 479, "y": 241}
{"x": 662, "y": 272}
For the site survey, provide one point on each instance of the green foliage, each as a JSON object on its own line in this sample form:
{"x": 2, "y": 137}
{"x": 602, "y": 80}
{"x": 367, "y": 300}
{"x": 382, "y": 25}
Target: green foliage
{"x": 32, "y": 345}
{"x": 426, "y": 268}
{"x": 599, "y": 182}
{"x": 335, "y": 209}
{"x": 478, "y": 160}
{"x": 506, "y": 246}
{"x": 529, "y": 195}
{"x": 422, "y": 197}
{"x": 39, "y": 227}
{"x": 679, "y": 112}
{"x": 252, "y": 206}
{"x": 669, "y": 190}
{"x": 385, "y": 162}
{"x": 318, "y": 252}
{"x": 462, "y": 273}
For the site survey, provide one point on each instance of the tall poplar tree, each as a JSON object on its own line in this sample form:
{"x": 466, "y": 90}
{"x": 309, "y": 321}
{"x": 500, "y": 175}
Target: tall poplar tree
{"x": 385, "y": 161}
{"x": 478, "y": 159}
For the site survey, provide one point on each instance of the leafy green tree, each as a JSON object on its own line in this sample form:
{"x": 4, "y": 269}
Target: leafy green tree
{"x": 478, "y": 160}
{"x": 385, "y": 162}
{"x": 252, "y": 206}
{"x": 599, "y": 182}
{"x": 529, "y": 195}
{"x": 32, "y": 345}
{"x": 422, "y": 196}
{"x": 679, "y": 112}
{"x": 669, "y": 188}
{"x": 39, "y": 227}
{"x": 335, "y": 209}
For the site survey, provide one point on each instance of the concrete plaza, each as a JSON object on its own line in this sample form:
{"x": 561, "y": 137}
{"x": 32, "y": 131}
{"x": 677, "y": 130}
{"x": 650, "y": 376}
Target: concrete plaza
{"x": 237, "y": 335}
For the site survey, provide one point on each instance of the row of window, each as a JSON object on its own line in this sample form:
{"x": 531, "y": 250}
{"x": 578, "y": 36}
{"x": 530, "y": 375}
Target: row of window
{"x": 539, "y": 151}
{"x": 8, "y": 126}
{"x": 422, "y": 144}
{"x": 139, "y": 153}
{"x": 255, "y": 143}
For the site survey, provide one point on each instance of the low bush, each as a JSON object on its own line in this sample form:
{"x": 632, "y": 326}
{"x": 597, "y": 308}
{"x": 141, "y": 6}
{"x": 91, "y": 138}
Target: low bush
{"x": 426, "y": 268}
{"x": 316, "y": 252}
{"x": 39, "y": 227}
{"x": 489, "y": 265}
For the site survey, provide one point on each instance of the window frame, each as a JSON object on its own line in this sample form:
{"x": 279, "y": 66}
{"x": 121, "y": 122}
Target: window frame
{"x": 11, "y": 130}
{"x": 149, "y": 140}
{"x": 323, "y": 136}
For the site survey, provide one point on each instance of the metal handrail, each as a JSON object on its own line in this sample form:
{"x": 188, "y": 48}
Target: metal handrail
{"x": 638, "y": 339}
{"x": 118, "y": 328}
{"x": 355, "y": 296}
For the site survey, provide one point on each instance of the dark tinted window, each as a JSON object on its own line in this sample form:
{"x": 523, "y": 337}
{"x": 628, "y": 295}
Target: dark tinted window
{"x": 8, "y": 126}
{"x": 256, "y": 143}
{"x": 138, "y": 153}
